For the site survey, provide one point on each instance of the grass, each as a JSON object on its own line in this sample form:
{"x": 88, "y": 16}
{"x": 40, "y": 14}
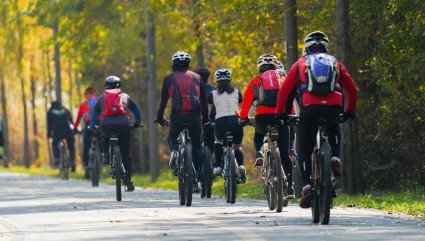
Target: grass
{"x": 404, "y": 202}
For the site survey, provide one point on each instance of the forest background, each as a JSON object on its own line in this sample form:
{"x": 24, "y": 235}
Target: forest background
{"x": 54, "y": 49}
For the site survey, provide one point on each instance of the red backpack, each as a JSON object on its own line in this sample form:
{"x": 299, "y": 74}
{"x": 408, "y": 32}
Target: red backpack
{"x": 113, "y": 103}
{"x": 266, "y": 93}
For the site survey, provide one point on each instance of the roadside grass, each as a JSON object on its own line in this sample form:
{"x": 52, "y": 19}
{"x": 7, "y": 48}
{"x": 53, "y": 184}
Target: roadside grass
{"x": 403, "y": 202}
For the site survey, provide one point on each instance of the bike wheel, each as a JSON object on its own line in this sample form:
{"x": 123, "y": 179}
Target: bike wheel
{"x": 188, "y": 180}
{"x": 206, "y": 174}
{"x": 117, "y": 162}
{"x": 232, "y": 178}
{"x": 95, "y": 169}
{"x": 325, "y": 196}
{"x": 65, "y": 165}
{"x": 226, "y": 176}
{"x": 315, "y": 206}
{"x": 278, "y": 179}
{"x": 269, "y": 184}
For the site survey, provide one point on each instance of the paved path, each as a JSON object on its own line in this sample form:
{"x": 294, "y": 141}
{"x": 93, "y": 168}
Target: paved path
{"x": 44, "y": 208}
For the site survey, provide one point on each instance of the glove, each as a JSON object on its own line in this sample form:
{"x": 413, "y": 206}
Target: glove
{"x": 244, "y": 121}
{"x": 349, "y": 115}
{"x": 282, "y": 117}
{"x": 138, "y": 124}
{"x": 205, "y": 120}
{"x": 160, "y": 121}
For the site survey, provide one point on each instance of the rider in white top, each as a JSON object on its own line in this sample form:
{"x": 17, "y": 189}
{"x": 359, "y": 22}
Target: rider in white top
{"x": 226, "y": 100}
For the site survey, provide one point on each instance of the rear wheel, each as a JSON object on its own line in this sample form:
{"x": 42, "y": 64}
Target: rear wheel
{"x": 182, "y": 193}
{"x": 270, "y": 189}
{"x": 325, "y": 185}
{"x": 315, "y": 206}
{"x": 188, "y": 180}
{"x": 95, "y": 169}
{"x": 206, "y": 174}
{"x": 278, "y": 182}
{"x": 232, "y": 178}
{"x": 117, "y": 162}
{"x": 226, "y": 176}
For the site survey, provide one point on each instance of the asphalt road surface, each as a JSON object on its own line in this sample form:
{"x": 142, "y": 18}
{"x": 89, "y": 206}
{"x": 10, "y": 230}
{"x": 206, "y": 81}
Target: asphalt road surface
{"x": 44, "y": 208}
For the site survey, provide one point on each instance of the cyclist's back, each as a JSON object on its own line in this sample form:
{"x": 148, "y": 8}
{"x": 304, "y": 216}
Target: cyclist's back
{"x": 188, "y": 102}
{"x": 59, "y": 126}
{"x": 114, "y": 106}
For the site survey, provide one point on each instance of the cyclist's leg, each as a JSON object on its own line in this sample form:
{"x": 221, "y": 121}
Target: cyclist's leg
{"x": 195, "y": 133}
{"x": 70, "y": 141}
{"x": 283, "y": 144}
{"x": 260, "y": 131}
{"x": 307, "y": 140}
{"x": 105, "y": 143}
{"x": 237, "y": 141}
{"x": 86, "y": 146}
{"x": 218, "y": 145}
{"x": 334, "y": 138}
{"x": 124, "y": 144}
{"x": 55, "y": 142}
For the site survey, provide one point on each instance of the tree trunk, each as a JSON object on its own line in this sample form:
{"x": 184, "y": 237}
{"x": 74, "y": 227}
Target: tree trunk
{"x": 57, "y": 62}
{"x": 199, "y": 47}
{"x": 140, "y": 86}
{"x": 47, "y": 98}
{"x": 292, "y": 57}
{"x": 19, "y": 59}
{"x": 151, "y": 58}
{"x": 5, "y": 127}
{"x": 34, "y": 116}
{"x": 351, "y": 182}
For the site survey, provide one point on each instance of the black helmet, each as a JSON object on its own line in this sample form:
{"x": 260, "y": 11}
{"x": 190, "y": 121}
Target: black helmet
{"x": 112, "y": 82}
{"x": 203, "y": 72}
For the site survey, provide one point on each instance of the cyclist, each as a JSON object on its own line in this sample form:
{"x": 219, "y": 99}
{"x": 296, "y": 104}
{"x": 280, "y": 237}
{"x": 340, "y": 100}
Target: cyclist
{"x": 292, "y": 135}
{"x": 208, "y": 131}
{"x": 116, "y": 119}
{"x": 264, "y": 116}
{"x": 314, "y": 106}
{"x": 226, "y": 100}
{"x": 188, "y": 106}
{"x": 59, "y": 127}
{"x": 84, "y": 113}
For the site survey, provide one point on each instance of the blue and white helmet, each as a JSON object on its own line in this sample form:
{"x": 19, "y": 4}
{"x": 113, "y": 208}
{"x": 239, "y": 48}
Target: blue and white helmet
{"x": 222, "y": 74}
{"x": 280, "y": 69}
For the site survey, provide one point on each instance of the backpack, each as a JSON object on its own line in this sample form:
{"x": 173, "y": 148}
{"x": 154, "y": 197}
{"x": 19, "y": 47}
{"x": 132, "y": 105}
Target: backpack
{"x": 113, "y": 103}
{"x": 266, "y": 93}
{"x": 321, "y": 73}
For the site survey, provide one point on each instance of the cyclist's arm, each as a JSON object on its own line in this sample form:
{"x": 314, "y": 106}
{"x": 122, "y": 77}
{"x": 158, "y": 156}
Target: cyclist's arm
{"x": 164, "y": 99}
{"x": 248, "y": 97}
{"x": 287, "y": 89}
{"x": 210, "y": 100}
{"x": 348, "y": 85}
{"x": 136, "y": 111}
{"x": 96, "y": 113}
{"x": 79, "y": 116}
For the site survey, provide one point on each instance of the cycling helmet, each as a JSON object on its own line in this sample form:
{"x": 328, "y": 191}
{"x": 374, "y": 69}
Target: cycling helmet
{"x": 180, "y": 56}
{"x": 222, "y": 74}
{"x": 112, "y": 82}
{"x": 281, "y": 69}
{"x": 267, "y": 59}
{"x": 316, "y": 37}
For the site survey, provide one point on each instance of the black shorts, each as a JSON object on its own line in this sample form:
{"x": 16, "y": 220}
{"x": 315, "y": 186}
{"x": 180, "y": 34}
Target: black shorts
{"x": 228, "y": 124}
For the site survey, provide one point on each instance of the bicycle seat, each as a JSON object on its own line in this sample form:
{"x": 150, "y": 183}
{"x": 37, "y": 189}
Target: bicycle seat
{"x": 273, "y": 132}
{"x": 228, "y": 138}
{"x": 185, "y": 125}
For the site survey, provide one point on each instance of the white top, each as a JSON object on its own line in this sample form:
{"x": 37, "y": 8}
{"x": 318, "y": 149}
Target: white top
{"x": 225, "y": 103}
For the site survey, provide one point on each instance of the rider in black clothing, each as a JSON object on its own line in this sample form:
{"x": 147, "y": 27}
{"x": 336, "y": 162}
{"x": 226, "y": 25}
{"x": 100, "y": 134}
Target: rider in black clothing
{"x": 59, "y": 126}
{"x": 188, "y": 105}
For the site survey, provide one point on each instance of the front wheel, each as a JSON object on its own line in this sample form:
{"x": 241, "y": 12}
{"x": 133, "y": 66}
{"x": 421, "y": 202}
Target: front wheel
{"x": 315, "y": 168}
{"x": 95, "y": 169}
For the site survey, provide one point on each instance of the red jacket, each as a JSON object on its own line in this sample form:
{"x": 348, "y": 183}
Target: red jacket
{"x": 335, "y": 98}
{"x": 249, "y": 96}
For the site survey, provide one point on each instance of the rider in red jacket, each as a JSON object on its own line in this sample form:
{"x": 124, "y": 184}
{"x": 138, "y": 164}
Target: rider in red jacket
{"x": 313, "y": 107}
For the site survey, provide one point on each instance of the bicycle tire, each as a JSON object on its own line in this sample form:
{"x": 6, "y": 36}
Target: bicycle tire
{"x": 326, "y": 185}
{"x": 117, "y": 162}
{"x": 206, "y": 174}
{"x": 189, "y": 174}
{"x": 65, "y": 163}
{"x": 226, "y": 176}
{"x": 232, "y": 178}
{"x": 315, "y": 206}
{"x": 95, "y": 169}
{"x": 270, "y": 192}
{"x": 182, "y": 193}
{"x": 278, "y": 174}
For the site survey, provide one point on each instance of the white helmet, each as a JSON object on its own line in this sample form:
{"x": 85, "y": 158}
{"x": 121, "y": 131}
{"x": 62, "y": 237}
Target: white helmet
{"x": 281, "y": 69}
{"x": 316, "y": 37}
{"x": 222, "y": 74}
{"x": 180, "y": 56}
{"x": 267, "y": 59}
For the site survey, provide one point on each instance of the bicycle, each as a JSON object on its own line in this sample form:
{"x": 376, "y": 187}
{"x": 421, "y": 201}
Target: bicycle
{"x": 118, "y": 171}
{"x": 185, "y": 170}
{"x": 64, "y": 163}
{"x": 272, "y": 173}
{"x": 95, "y": 165}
